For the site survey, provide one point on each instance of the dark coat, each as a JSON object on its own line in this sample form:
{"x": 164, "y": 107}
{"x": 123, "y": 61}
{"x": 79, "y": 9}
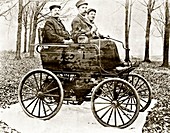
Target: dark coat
{"x": 54, "y": 31}
{"x": 95, "y": 35}
{"x": 80, "y": 26}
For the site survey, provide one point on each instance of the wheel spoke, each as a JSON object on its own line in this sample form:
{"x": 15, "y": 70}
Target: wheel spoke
{"x": 104, "y": 92}
{"x": 143, "y": 90}
{"x": 44, "y": 108}
{"x": 141, "y": 105}
{"x": 131, "y": 103}
{"x": 102, "y": 98}
{"x": 120, "y": 88}
{"x": 103, "y": 108}
{"x": 39, "y": 108}
{"x": 29, "y": 98}
{"x": 123, "y": 100}
{"x": 136, "y": 83}
{"x": 51, "y": 90}
{"x": 31, "y": 102}
{"x": 34, "y": 106}
{"x": 29, "y": 87}
{"x": 40, "y": 81}
{"x": 51, "y": 95}
{"x": 110, "y": 116}
{"x": 35, "y": 79}
{"x": 101, "y": 103}
{"x": 105, "y": 113}
{"x": 127, "y": 102}
{"x": 108, "y": 86}
{"x": 143, "y": 100}
{"x": 48, "y": 85}
{"x": 120, "y": 116}
{"x": 121, "y": 109}
{"x": 124, "y": 93}
{"x": 48, "y": 105}
{"x": 139, "y": 86}
{"x": 115, "y": 117}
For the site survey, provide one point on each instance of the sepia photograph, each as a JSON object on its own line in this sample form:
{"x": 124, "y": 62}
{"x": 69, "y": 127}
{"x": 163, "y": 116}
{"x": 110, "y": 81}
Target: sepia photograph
{"x": 84, "y": 66}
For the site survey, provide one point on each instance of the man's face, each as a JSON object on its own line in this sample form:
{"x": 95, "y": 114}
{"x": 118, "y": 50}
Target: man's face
{"x": 91, "y": 15}
{"x": 82, "y": 10}
{"x": 55, "y": 12}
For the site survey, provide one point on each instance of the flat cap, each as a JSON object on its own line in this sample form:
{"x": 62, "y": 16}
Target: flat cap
{"x": 90, "y": 10}
{"x": 54, "y": 6}
{"x": 81, "y": 2}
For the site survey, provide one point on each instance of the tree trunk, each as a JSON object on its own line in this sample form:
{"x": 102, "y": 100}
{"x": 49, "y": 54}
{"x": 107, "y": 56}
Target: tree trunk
{"x": 30, "y": 30}
{"x": 147, "y": 35}
{"x": 38, "y": 8}
{"x": 25, "y": 27}
{"x": 18, "y": 43}
{"x": 127, "y": 31}
{"x": 33, "y": 35}
{"x": 166, "y": 37}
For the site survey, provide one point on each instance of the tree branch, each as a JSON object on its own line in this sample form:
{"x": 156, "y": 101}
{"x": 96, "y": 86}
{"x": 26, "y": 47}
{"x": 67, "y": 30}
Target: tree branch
{"x": 1, "y": 14}
{"x": 145, "y": 5}
{"x": 139, "y": 24}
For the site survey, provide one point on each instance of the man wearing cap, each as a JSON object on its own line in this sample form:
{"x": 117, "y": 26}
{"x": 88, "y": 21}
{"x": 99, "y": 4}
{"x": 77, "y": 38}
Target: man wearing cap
{"x": 54, "y": 30}
{"x": 80, "y": 25}
{"x": 91, "y": 14}
{"x": 109, "y": 49}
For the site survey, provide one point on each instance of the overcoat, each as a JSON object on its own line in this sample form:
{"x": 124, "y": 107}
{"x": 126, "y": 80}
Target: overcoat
{"x": 54, "y": 31}
{"x": 80, "y": 25}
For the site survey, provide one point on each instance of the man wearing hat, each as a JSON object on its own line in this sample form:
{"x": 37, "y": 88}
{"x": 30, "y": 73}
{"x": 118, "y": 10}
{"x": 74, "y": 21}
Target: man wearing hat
{"x": 107, "y": 47}
{"x": 91, "y": 14}
{"x": 80, "y": 25}
{"x": 54, "y": 30}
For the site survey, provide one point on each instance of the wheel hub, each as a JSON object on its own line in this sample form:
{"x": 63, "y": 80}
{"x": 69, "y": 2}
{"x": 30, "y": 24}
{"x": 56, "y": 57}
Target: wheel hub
{"x": 115, "y": 103}
{"x": 40, "y": 95}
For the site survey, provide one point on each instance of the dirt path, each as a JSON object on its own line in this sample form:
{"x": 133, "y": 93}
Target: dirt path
{"x": 70, "y": 119}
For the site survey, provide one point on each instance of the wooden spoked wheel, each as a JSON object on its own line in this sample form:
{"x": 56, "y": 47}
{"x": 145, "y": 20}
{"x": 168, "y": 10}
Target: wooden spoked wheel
{"x": 40, "y": 94}
{"x": 143, "y": 89}
{"x": 115, "y": 103}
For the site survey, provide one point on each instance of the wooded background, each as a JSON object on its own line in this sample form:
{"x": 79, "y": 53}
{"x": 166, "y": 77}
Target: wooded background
{"x": 143, "y": 25}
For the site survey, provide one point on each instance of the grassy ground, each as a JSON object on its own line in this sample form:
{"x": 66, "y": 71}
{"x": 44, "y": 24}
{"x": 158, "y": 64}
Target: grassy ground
{"x": 11, "y": 72}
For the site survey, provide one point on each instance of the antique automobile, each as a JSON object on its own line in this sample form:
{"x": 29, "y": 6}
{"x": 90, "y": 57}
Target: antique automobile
{"x": 74, "y": 73}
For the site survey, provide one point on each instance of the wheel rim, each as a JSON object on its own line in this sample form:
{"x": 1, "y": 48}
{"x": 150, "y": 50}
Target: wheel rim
{"x": 40, "y": 94}
{"x": 143, "y": 89}
{"x": 115, "y": 103}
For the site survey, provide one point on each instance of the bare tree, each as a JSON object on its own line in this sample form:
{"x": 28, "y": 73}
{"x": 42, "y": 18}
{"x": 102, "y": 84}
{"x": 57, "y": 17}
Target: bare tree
{"x": 150, "y": 8}
{"x": 39, "y": 6}
{"x": 37, "y": 17}
{"x": 18, "y": 43}
{"x": 166, "y": 36}
{"x": 25, "y": 23}
{"x": 159, "y": 23}
{"x": 128, "y": 14}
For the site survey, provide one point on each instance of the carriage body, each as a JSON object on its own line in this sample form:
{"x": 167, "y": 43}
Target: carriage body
{"x": 84, "y": 72}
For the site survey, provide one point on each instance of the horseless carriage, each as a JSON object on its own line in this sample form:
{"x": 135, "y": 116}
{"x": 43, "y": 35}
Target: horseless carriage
{"x": 75, "y": 73}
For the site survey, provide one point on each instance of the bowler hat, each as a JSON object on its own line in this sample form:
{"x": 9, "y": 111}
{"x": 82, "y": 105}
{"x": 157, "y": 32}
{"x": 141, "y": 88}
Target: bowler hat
{"x": 90, "y": 10}
{"x": 55, "y": 6}
{"x": 81, "y": 2}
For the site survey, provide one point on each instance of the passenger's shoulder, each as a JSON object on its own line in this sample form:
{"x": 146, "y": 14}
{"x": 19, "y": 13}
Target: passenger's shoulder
{"x": 49, "y": 19}
{"x": 76, "y": 19}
